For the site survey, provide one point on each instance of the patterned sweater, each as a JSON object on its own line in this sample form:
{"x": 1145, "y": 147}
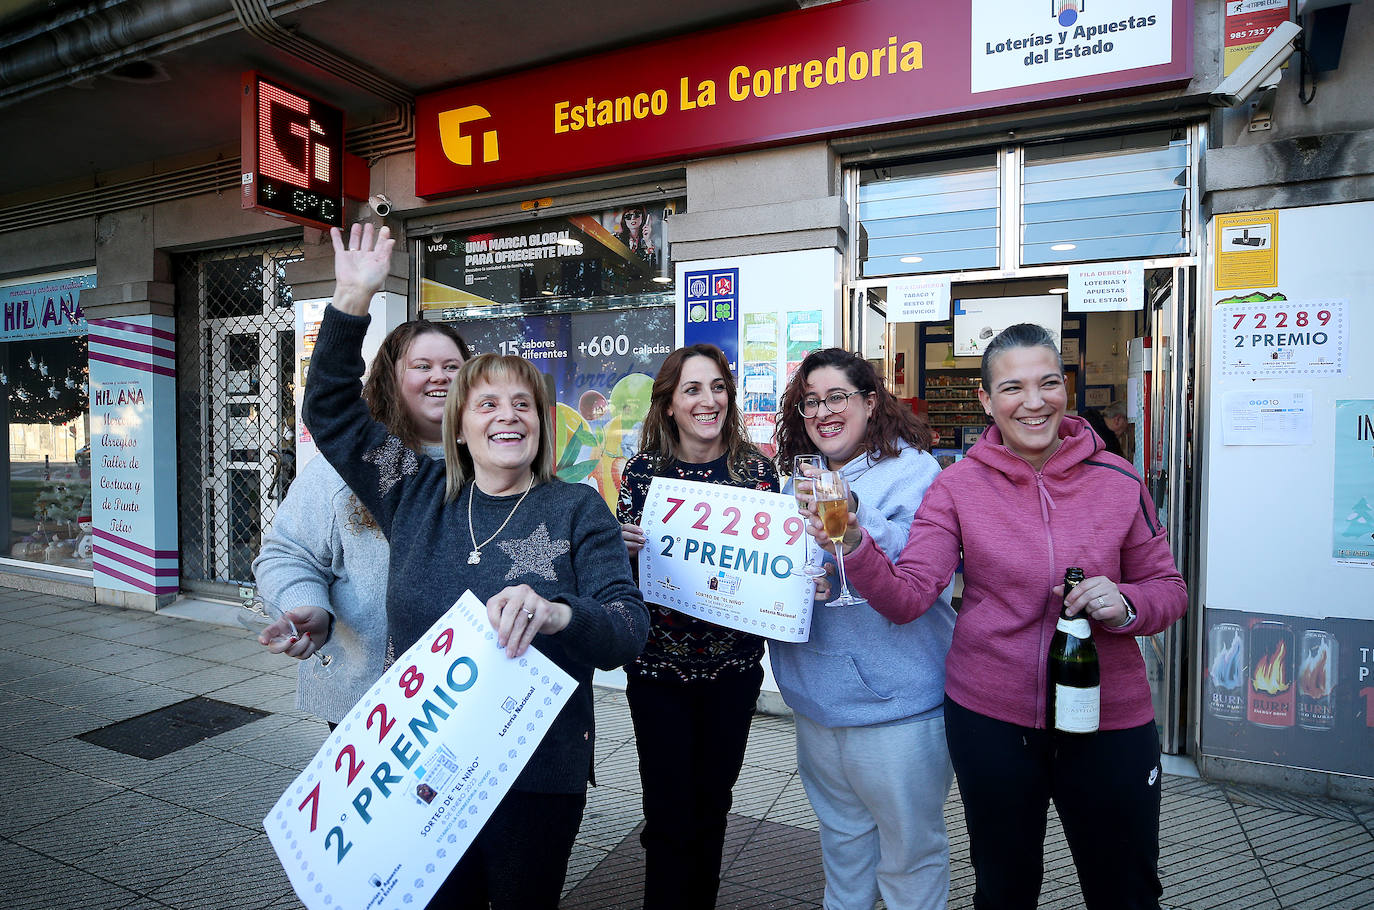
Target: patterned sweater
{"x": 562, "y": 541}
{"x": 682, "y": 647}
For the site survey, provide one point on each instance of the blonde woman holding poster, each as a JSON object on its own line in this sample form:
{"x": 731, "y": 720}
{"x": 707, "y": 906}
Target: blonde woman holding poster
{"x": 544, "y": 556}
{"x": 693, "y": 689}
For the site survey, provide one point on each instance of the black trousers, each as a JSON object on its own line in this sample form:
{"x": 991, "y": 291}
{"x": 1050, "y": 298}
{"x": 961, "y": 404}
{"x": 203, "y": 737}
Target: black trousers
{"x": 1105, "y": 786}
{"x": 520, "y": 857}
{"x": 691, "y": 738}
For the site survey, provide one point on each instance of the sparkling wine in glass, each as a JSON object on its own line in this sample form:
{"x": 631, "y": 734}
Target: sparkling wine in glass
{"x": 832, "y": 504}
{"x": 804, "y": 468}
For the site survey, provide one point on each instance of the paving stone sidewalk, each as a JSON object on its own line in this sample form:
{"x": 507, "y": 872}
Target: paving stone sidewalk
{"x": 84, "y": 826}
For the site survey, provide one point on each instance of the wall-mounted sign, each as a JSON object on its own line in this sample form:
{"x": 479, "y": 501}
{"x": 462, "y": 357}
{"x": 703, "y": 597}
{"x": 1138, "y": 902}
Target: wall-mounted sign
{"x": 1247, "y": 251}
{"x": 292, "y": 154}
{"x": 50, "y": 308}
{"x": 1246, "y": 24}
{"x": 834, "y": 68}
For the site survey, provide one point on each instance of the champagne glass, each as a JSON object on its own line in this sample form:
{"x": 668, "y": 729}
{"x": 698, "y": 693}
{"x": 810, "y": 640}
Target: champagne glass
{"x": 805, "y": 467}
{"x": 257, "y": 614}
{"x": 832, "y": 504}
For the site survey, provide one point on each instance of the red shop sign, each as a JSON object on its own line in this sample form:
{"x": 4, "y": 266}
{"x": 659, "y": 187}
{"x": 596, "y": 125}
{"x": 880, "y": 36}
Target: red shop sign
{"x": 842, "y": 67}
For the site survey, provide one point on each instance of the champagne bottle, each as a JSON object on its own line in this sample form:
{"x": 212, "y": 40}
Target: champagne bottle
{"x": 1074, "y": 677}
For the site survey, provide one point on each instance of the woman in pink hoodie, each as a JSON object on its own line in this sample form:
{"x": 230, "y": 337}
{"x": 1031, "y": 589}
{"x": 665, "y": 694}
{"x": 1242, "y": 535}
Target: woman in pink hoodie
{"x": 1035, "y": 495}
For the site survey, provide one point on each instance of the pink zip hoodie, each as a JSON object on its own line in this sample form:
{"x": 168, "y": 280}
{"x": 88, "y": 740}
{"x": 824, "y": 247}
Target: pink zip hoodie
{"x": 1017, "y": 531}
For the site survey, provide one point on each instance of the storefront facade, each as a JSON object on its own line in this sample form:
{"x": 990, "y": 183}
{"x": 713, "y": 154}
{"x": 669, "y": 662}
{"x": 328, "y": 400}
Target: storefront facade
{"x": 852, "y": 174}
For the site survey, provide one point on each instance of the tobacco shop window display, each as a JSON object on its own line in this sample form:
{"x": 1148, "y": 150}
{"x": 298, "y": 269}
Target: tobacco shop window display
{"x": 44, "y": 383}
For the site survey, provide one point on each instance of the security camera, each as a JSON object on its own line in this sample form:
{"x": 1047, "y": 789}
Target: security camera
{"x": 380, "y": 205}
{"x": 1260, "y": 69}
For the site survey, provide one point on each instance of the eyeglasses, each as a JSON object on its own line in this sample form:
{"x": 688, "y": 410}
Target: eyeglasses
{"x": 835, "y": 403}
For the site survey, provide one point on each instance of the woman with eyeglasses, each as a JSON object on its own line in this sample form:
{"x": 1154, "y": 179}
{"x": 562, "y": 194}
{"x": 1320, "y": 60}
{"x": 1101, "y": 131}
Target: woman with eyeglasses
{"x": 868, "y": 693}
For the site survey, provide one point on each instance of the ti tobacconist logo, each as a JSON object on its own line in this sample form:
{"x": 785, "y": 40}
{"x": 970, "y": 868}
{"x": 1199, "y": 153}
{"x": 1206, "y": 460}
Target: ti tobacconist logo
{"x": 458, "y": 144}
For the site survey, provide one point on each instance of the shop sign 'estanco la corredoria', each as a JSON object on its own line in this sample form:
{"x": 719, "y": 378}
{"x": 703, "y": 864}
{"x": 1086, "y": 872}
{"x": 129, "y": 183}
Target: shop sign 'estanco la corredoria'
{"x": 843, "y": 67}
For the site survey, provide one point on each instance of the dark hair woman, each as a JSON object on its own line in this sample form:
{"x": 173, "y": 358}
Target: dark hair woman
{"x": 385, "y": 386}
{"x": 867, "y": 695}
{"x": 1035, "y": 495}
{"x": 692, "y": 691}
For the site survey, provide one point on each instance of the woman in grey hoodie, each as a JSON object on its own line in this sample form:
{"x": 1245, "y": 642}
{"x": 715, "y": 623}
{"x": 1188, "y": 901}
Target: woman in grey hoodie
{"x": 324, "y": 560}
{"x": 867, "y": 693}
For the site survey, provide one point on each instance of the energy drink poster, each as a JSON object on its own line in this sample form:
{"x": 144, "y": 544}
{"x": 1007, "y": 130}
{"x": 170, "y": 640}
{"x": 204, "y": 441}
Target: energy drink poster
{"x": 1352, "y": 513}
{"x": 600, "y": 369}
{"x": 1289, "y": 690}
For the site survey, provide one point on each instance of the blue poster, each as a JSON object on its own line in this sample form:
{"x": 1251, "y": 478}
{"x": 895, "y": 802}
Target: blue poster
{"x": 711, "y": 299}
{"x": 599, "y": 368}
{"x": 1352, "y": 513}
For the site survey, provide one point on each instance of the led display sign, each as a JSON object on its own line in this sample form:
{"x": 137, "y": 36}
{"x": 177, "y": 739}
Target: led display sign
{"x": 292, "y": 154}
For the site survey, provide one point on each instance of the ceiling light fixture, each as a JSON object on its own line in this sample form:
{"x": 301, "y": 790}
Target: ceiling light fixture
{"x": 1058, "y": 290}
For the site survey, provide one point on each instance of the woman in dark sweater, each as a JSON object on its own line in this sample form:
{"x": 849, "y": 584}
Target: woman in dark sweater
{"x": 692, "y": 692}
{"x": 546, "y": 557}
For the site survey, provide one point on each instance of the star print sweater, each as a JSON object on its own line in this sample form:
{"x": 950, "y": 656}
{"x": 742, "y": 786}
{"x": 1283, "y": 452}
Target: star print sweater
{"x": 683, "y": 648}
{"x": 562, "y": 541}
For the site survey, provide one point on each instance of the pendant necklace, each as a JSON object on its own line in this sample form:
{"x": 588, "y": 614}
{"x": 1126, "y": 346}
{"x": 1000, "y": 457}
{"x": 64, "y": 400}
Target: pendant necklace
{"x": 475, "y": 557}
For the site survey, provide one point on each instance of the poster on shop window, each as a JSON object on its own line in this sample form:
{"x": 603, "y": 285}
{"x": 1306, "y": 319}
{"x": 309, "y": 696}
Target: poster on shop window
{"x": 584, "y": 298}
{"x": 1291, "y": 689}
{"x": 729, "y": 556}
{"x": 767, "y": 312}
{"x": 599, "y": 369}
{"x": 1352, "y": 513}
{"x": 398, "y": 792}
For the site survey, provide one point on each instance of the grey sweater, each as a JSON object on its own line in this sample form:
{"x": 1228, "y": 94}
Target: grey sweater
{"x": 859, "y": 669}
{"x": 562, "y": 541}
{"x": 324, "y": 550}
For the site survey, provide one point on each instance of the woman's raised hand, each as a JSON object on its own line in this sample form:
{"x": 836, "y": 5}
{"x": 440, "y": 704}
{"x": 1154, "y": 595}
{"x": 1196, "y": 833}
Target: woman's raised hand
{"x": 360, "y": 266}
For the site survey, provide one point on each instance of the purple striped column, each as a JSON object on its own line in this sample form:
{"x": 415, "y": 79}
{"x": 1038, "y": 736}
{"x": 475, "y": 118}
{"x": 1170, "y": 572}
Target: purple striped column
{"x": 133, "y": 459}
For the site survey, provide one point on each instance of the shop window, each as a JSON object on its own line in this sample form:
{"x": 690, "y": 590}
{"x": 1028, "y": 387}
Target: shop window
{"x": 1117, "y": 197}
{"x": 929, "y": 216}
{"x": 43, "y": 382}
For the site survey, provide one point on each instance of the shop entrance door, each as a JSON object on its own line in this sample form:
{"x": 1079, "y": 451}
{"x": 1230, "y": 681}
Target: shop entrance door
{"x": 1163, "y": 367}
{"x": 251, "y": 427}
{"x": 236, "y": 411}
{"x": 921, "y": 362}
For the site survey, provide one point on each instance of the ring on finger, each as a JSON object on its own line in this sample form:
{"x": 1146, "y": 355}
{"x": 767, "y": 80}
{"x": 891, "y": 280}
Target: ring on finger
{"x": 529, "y": 615}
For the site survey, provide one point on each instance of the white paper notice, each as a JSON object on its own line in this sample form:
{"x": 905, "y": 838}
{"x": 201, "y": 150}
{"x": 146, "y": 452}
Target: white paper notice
{"x": 918, "y": 299}
{"x": 396, "y": 795}
{"x": 728, "y": 555}
{"x": 1105, "y": 286}
{"x": 1267, "y": 417}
